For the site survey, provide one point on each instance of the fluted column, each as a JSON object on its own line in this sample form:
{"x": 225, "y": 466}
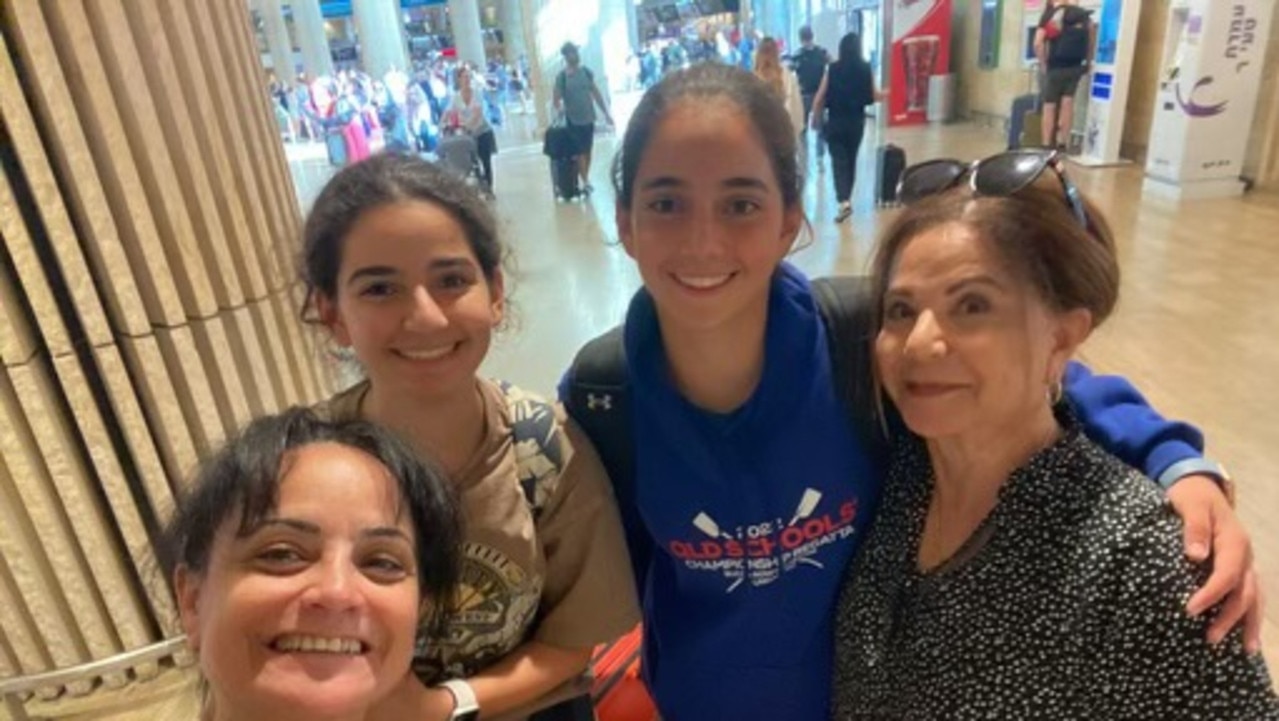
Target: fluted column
{"x": 148, "y": 308}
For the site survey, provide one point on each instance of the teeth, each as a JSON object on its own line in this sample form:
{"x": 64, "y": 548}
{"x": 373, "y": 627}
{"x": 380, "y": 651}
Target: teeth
{"x": 427, "y": 354}
{"x": 703, "y": 281}
{"x": 316, "y": 644}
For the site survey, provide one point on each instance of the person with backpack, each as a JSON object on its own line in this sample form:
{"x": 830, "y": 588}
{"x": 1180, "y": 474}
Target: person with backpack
{"x": 576, "y": 96}
{"x": 735, "y": 413}
{"x": 1063, "y": 44}
{"x": 402, "y": 263}
{"x": 810, "y": 63}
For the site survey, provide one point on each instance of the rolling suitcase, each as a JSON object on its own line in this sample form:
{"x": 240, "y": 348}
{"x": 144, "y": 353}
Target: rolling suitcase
{"x": 558, "y": 145}
{"x": 890, "y": 161}
{"x": 1023, "y": 121}
{"x": 564, "y": 178}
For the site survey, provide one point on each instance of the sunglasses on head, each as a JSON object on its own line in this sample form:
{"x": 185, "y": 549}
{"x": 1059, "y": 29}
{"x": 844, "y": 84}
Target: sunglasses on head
{"x": 1001, "y": 175}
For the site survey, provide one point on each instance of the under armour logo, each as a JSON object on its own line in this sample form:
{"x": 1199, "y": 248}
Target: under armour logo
{"x": 594, "y": 402}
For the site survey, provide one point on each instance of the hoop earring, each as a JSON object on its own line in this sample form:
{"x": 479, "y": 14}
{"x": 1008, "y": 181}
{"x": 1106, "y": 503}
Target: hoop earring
{"x": 1056, "y": 392}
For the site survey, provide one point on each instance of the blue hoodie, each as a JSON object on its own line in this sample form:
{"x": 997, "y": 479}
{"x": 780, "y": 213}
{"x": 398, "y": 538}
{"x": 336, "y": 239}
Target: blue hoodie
{"x": 756, "y": 513}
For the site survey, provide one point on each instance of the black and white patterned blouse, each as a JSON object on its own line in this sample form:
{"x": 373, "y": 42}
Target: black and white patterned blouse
{"x": 1067, "y": 602}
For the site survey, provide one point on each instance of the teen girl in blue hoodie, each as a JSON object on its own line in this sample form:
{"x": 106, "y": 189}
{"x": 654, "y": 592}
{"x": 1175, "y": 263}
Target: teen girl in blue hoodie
{"x": 750, "y": 482}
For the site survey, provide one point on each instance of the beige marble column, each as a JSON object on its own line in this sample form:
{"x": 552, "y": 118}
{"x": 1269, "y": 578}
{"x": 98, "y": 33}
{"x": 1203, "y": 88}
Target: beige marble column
{"x": 277, "y": 38}
{"x": 512, "y": 17}
{"x": 543, "y": 58}
{"x": 147, "y": 309}
{"x": 607, "y": 47}
{"x": 308, "y": 24}
{"x": 379, "y": 26}
{"x": 468, "y": 38}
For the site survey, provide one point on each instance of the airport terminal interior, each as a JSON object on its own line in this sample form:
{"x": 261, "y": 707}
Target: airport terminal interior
{"x": 154, "y": 191}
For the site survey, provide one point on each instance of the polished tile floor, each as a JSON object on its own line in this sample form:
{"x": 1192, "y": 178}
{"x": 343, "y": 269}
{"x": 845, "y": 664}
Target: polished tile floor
{"x": 1191, "y": 329}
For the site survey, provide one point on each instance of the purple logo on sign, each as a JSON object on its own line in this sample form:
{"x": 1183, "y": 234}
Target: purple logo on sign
{"x": 1195, "y": 110}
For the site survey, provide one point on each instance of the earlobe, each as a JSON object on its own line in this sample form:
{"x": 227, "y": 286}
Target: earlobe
{"x": 623, "y": 219}
{"x": 186, "y": 587}
{"x": 497, "y": 295}
{"x": 1073, "y": 328}
{"x": 792, "y": 221}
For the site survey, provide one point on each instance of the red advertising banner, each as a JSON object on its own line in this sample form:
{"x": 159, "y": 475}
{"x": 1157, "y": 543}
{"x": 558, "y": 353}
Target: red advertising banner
{"x": 920, "y": 49}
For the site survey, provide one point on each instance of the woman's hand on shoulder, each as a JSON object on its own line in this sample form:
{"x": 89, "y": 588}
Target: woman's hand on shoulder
{"x": 1213, "y": 531}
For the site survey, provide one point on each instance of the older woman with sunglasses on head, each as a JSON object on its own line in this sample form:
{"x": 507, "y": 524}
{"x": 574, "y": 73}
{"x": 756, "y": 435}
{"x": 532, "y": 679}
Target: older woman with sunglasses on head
{"x": 1016, "y": 569}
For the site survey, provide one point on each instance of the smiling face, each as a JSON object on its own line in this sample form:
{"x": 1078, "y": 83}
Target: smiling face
{"x": 965, "y": 345}
{"x": 707, "y": 224}
{"x": 312, "y": 614}
{"x": 413, "y": 301}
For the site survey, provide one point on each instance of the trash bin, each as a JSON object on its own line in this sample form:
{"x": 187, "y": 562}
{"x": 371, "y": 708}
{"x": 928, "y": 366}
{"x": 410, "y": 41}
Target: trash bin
{"x": 941, "y": 98}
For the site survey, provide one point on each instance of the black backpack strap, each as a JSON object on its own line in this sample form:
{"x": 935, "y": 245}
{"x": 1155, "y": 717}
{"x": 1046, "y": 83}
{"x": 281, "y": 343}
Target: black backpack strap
{"x": 598, "y": 398}
{"x": 847, "y": 307}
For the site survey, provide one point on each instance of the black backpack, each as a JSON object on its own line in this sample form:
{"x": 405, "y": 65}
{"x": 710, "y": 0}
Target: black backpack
{"x": 810, "y": 66}
{"x": 598, "y": 398}
{"x": 1070, "y": 47}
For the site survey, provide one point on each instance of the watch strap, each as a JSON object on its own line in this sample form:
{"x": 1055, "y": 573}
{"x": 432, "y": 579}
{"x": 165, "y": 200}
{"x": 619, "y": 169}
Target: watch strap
{"x": 1199, "y": 466}
{"x": 466, "y": 706}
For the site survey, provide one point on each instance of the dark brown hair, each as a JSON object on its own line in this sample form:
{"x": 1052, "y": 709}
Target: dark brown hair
{"x": 383, "y": 179}
{"x": 1034, "y": 233}
{"x": 240, "y": 483}
{"x": 703, "y": 83}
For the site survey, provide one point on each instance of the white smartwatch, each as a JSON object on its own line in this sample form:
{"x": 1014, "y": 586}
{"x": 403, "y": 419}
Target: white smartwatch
{"x": 465, "y": 706}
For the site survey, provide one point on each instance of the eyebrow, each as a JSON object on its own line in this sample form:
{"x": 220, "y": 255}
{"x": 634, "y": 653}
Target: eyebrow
{"x": 312, "y": 529}
{"x": 372, "y": 271}
{"x": 667, "y": 181}
{"x": 745, "y": 182}
{"x": 383, "y": 271}
{"x": 952, "y": 289}
{"x": 973, "y": 280}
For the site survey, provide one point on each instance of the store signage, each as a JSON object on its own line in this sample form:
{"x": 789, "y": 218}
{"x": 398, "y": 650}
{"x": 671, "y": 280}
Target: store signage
{"x": 920, "y": 49}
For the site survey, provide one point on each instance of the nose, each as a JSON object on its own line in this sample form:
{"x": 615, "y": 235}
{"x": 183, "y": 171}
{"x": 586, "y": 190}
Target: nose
{"x": 335, "y": 586}
{"x": 926, "y": 339}
{"x": 425, "y": 314}
{"x": 703, "y": 236}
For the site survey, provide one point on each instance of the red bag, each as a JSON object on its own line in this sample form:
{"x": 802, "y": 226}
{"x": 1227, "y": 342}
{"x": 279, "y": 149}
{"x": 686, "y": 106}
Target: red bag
{"x": 618, "y": 692}
{"x": 1052, "y": 28}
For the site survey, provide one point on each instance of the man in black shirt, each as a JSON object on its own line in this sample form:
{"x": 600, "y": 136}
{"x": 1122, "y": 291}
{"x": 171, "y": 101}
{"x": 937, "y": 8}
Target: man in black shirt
{"x": 809, "y": 63}
{"x": 1063, "y": 44}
